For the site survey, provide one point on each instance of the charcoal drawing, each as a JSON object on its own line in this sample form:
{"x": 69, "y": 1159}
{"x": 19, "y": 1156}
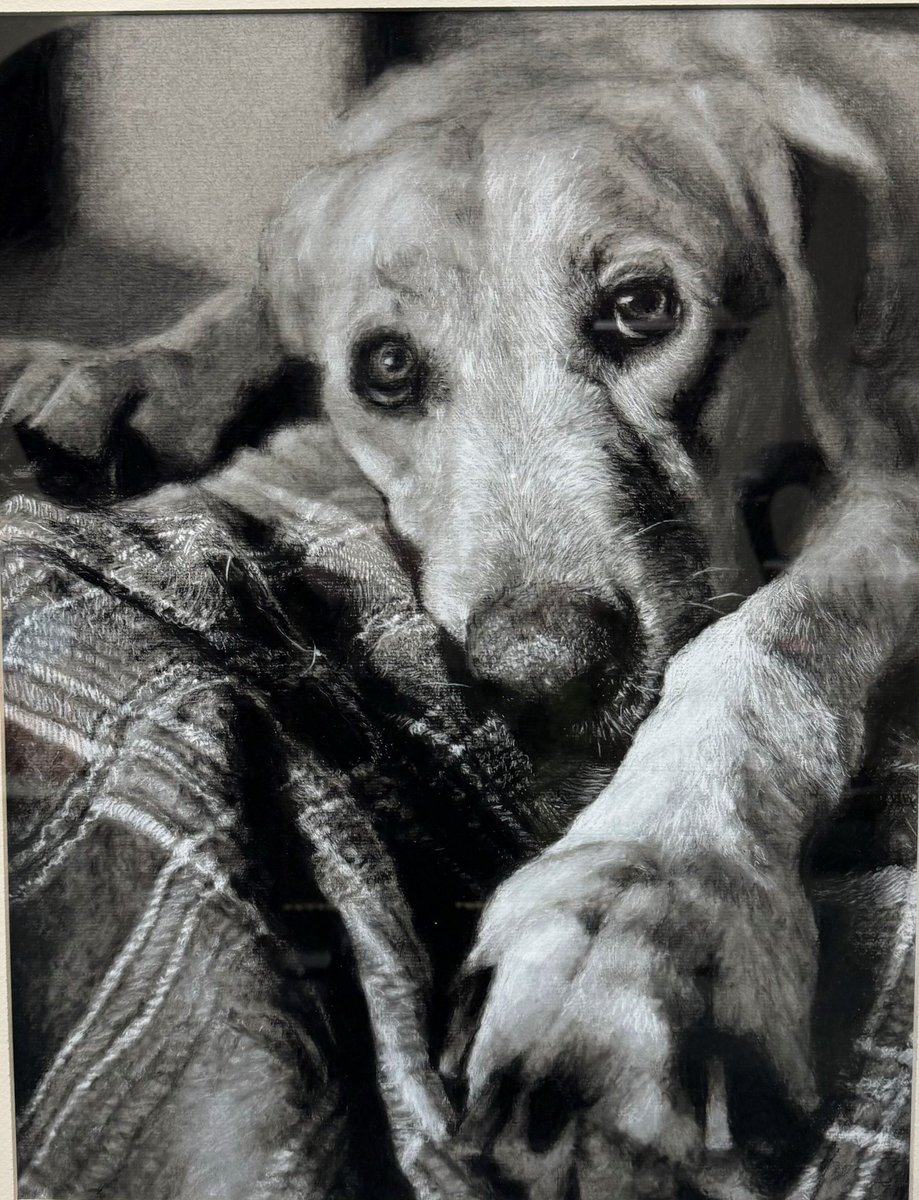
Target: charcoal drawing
{"x": 460, "y": 573}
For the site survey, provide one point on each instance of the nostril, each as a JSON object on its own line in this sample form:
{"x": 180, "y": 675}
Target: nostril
{"x": 536, "y": 642}
{"x": 515, "y": 642}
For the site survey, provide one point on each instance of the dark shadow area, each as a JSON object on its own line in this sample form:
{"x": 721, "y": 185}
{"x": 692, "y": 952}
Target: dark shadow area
{"x": 390, "y": 39}
{"x": 35, "y": 198}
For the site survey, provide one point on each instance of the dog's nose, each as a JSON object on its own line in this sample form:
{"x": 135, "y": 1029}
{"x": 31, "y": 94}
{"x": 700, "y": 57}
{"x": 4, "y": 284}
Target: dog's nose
{"x": 533, "y": 641}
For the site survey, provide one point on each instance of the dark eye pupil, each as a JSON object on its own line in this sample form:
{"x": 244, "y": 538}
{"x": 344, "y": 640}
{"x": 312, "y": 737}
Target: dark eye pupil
{"x": 391, "y": 359}
{"x": 386, "y": 370}
{"x": 645, "y": 301}
{"x": 632, "y": 315}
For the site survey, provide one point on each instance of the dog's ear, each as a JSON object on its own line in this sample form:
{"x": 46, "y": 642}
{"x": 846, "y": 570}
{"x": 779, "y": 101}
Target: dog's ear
{"x": 99, "y": 425}
{"x": 824, "y": 195}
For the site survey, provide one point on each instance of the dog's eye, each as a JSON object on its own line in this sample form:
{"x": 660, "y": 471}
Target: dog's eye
{"x": 387, "y": 370}
{"x": 634, "y": 314}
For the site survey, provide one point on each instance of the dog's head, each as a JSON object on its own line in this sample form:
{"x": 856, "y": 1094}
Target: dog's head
{"x": 528, "y": 301}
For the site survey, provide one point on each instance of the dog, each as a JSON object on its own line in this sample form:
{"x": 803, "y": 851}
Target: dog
{"x": 564, "y": 286}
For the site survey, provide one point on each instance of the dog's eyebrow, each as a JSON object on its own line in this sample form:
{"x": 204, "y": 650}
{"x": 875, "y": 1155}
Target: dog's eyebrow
{"x": 393, "y": 273}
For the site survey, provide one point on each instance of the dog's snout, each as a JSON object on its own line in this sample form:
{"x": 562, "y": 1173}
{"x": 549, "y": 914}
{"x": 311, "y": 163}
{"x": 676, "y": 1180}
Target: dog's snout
{"x": 533, "y": 642}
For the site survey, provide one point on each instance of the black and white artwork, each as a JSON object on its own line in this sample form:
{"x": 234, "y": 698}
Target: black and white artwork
{"x": 460, "y": 546}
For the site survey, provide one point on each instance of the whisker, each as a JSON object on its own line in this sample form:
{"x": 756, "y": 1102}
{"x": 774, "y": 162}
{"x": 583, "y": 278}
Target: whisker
{"x": 727, "y": 596}
{"x": 711, "y": 571}
{"x": 657, "y": 524}
{"x": 707, "y": 607}
{"x": 633, "y": 537}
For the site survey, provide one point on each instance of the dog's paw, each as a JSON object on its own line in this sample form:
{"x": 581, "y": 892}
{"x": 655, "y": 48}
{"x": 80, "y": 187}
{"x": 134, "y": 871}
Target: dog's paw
{"x": 97, "y": 424}
{"x": 618, "y": 977}
{"x": 64, "y": 404}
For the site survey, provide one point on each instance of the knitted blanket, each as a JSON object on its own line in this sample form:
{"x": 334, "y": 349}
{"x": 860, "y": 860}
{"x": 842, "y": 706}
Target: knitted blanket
{"x": 251, "y": 825}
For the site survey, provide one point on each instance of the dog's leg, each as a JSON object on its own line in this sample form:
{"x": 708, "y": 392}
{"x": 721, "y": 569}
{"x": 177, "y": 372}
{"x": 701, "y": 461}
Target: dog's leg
{"x": 674, "y": 904}
{"x": 171, "y": 395}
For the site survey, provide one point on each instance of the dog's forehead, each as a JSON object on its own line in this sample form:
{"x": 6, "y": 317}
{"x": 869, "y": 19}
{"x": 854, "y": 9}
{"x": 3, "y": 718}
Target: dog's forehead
{"x": 520, "y": 188}
{"x": 381, "y": 213}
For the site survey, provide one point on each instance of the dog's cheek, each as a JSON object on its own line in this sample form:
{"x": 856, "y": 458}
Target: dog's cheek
{"x": 377, "y": 443}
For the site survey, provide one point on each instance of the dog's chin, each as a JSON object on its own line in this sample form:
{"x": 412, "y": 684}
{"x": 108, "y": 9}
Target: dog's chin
{"x": 585, "y": 722}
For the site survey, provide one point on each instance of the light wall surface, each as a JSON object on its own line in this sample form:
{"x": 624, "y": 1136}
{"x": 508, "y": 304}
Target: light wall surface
{"x": 189, "y": 129}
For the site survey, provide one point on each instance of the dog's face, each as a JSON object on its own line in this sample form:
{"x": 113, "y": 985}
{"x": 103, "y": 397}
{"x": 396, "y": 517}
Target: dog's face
{"x": 519, "y": 328}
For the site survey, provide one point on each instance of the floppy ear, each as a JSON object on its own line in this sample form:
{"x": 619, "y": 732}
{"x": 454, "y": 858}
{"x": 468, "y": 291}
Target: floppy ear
{"x": 99, "y": 425}
{"x": 824, "y": 195}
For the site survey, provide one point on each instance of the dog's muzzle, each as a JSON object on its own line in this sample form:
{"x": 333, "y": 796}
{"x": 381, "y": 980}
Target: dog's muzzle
{"x": 538, "y": 644}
